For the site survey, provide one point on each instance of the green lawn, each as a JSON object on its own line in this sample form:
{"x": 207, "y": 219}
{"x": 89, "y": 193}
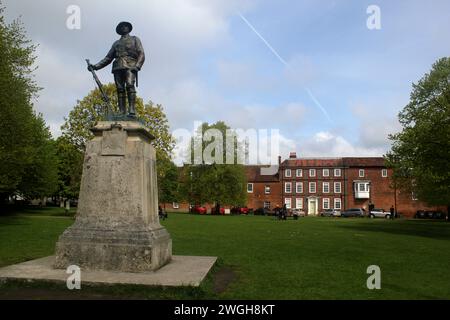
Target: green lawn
{"x": 312, "y": 258}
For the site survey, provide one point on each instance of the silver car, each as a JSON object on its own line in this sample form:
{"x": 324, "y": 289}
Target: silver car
{"x": 379, "y": 213}
{"x": 330, "y": 213}
{"x": 298, "y": 213}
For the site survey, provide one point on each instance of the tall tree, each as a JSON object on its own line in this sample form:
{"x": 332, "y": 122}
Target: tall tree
{"x": 212, "y": 180}
{"x": 40, "y": 177}
{"x": 169, "y": 183}
{"x": 27, "y": 158}
{"x": 70, "y": 164}
{"x": 420, "y": 154}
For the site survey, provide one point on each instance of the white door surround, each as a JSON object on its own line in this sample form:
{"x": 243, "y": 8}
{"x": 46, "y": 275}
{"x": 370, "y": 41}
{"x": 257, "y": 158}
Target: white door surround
{"x": 313, "y": 206}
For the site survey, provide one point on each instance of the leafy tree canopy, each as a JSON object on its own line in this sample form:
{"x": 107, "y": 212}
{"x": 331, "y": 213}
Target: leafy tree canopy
{"x": 27, "y": 154}
{"x": 420, "y": 153}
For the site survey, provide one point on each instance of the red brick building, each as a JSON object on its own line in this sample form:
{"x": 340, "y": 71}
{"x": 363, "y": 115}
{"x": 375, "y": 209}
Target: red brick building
{"x": 264, "y": 191}
{"x": 315, "y": 184}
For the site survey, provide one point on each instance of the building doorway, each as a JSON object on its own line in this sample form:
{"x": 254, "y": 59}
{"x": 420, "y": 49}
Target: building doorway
{"x": 313, "y": 207}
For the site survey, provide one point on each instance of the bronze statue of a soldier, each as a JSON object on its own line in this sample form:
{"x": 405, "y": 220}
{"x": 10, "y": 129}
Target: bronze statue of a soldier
{"x": 128, "y": 55}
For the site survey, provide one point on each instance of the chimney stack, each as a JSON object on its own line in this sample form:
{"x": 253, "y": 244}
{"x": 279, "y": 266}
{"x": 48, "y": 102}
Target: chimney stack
{"x": 293, "y": 155}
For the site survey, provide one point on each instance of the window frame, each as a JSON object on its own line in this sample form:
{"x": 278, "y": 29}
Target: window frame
{"x": 312, "y": 183}
{"x": 297, "y": 184}
{"x": 337, "y": 170}
{"x": 286, "y": 173}
{"x": 323, "y": 187}
{"x": 286, "y": 203}
{"x": 290, "y": 187}
{"x": 337, "y": 183}
{"x": 326, "y": 200}
{"x": 297, "y": 202}
{"x": 252, "y": 187}
{"x": 337, "y": 200}
{"x": 363, "y": 173}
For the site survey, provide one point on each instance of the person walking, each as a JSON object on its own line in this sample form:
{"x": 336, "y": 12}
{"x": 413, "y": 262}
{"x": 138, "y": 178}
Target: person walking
{"x": 284, "y": 212}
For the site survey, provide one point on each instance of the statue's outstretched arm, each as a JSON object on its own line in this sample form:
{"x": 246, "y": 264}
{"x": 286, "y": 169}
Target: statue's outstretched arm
{"x": 106, "y": 60}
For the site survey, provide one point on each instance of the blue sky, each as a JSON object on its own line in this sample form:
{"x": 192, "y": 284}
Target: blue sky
{"x": 205, "y": 63}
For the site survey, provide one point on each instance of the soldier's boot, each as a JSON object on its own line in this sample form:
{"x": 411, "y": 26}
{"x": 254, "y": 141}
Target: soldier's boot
{"x": 121, "y": 98}
{"x": 132, "y": 103}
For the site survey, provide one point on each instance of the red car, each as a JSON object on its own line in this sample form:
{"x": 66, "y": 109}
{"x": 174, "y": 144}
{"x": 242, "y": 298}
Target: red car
{"x": 240, "y": 210}
{"x": 199, "y": 210}
{"x": 243, "y": 210}
{"x": 221, "y": 210}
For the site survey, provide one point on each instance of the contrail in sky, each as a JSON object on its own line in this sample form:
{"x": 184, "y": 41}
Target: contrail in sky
{"x": 310, "y": 94}
{"x": 264, "y": 40}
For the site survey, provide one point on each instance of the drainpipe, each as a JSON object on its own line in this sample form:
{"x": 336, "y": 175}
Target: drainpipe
{"x": 282, "y": 181}
{"x": 395, "y": 199}
{"x": 345, "y": 190}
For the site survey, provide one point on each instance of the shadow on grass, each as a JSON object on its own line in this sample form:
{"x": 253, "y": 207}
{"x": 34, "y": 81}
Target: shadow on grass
{"x": 13, "y": 210}
{"x": 428, "y": 229}
{"x": 7, "y": 221}
{"x": 216, "y": 282}
{"x": 47, "y": 290}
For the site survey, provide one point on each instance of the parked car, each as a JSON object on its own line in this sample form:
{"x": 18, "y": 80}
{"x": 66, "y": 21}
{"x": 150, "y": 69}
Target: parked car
{"x": 221, "y": 210}
{"x": 353, "y": 212}
{"x": 423, "y": 214}
{"x": 243, "y": 210}
{"x": 263, "y": 212}
{"x": 298, "y": 213}
{"x": 198, "y": 209}
{"x": 330, "y": 213}
{"x": 260, "y": 212}
{"x": 379, "y": 213}
{"x": 240, "y": 210}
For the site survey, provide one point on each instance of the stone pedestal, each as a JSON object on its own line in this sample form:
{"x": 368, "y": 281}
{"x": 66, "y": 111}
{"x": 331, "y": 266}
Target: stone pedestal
{"x": 117, "y": 225}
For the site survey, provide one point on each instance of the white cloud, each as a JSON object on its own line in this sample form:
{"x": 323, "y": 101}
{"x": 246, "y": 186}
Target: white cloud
{"x": 62, "y": 84}
{"x": 327, "y": 144}
{"x": 375, "y": 124}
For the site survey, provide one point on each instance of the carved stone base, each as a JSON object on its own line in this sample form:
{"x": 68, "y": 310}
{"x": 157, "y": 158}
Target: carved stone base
{"x": 117, "y": 225}
{"x": 131, "y": 251}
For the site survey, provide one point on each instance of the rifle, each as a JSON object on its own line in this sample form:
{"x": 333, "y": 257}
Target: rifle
{"x": 100, "y": 87}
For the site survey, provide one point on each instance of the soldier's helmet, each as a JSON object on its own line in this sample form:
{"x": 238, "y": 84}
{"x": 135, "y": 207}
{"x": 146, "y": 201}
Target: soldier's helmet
{"x": 119, "y": 27}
